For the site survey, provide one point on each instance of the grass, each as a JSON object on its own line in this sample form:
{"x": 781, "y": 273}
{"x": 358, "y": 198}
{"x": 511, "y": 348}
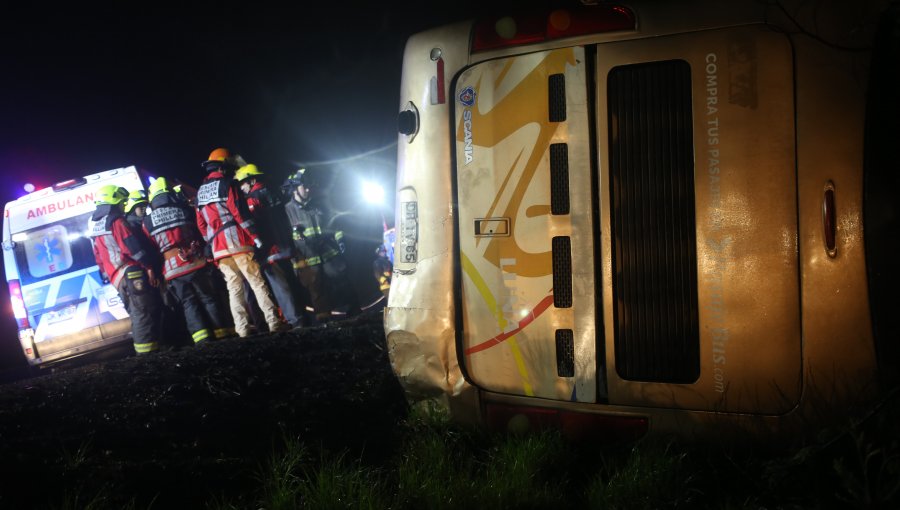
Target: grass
{"x": 645, "y": 478}
{"x": 74, "y": 459}
{"x": 443, "y": 466}
{"x": 100, "y": 500}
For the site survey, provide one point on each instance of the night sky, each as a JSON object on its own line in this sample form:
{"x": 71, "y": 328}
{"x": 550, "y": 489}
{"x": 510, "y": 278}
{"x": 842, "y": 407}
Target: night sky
{"x": 86, "y": 89}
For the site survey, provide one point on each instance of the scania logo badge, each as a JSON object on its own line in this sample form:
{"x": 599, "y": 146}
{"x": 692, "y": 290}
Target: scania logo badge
{"x": 467, "y": 96}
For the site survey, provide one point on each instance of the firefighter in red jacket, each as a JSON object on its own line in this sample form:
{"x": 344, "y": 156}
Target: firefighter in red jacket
{"x": 126, "y": 258}
{"x": 230, "y": 232}
{"x": 172, "y": 228}
{"x": 267, "y": 210}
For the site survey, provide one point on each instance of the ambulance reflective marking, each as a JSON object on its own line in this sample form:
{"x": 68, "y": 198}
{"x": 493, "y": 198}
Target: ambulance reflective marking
{"x": 53, "y": 207}
{"x": 77, "y": 301}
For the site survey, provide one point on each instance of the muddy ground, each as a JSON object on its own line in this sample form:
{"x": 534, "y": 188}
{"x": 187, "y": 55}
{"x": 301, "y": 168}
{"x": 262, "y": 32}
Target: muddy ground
{"x": 179, "y": 426}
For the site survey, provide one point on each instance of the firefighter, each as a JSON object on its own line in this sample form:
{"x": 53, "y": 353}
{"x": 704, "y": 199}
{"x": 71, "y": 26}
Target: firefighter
{"x": 126, "y": 259}
{"x": 135, "y": 211}
{"x": 172, "y": 228}
{"x": 181, "y": 196}
{"x": 319, "y": 250}
{"x": 136, "y": 208}
{"x": 383, "y": 270}
{"x": 231, "y": 234}
{"x": 267, "y": 209}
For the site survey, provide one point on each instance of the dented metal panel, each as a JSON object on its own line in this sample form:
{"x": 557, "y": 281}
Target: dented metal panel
{"x": 420, "y": 317}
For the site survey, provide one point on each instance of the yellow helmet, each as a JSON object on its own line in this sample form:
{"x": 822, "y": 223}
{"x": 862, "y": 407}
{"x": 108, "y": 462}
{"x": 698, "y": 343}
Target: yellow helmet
{"x": 159, "y": 185}
{"x": 247, "y": 171}
{"x": 110, "y": 195}
{"x": 135, "y": 198}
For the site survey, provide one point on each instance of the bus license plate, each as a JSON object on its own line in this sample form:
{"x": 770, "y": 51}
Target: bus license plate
{"x": 409, "y": 232}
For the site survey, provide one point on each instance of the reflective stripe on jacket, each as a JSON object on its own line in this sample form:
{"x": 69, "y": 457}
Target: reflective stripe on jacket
{"x": 314, "y": 242}
{"x": 116, "y": 244}
{"x": 383, "y": 270}
{"x": 222, "y": 217}
{"x": 171, "y": 227}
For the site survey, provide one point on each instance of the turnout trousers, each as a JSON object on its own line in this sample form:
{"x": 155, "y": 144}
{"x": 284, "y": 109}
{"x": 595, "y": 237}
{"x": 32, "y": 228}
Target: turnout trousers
{"x": 204, "y": 312}
{"x": 285, "y": 286}
{"x": 328, "y": 284}
{"x": 235, "y": 269}
{"x": 144, "y": 304}
{"x": 311, "y": 277}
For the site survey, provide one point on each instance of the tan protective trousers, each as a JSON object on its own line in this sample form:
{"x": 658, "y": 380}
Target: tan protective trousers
{"x": 235, "y": 269}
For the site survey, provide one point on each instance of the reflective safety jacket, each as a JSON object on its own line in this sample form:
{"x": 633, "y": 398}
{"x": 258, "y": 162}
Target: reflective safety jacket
{"x": 383, "y": 270}
{"x": 222, "y": 217}
{"x": 172, "y": 229}
{"x": 118, "y": 245}
{"x": 314, "y": 240}
{"x": 267, "y": 209}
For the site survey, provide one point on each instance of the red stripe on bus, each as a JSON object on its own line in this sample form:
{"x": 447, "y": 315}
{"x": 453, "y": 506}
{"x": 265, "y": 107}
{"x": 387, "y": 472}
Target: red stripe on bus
{"x": 441, "y": 98}
{"x": 537, "y": 311}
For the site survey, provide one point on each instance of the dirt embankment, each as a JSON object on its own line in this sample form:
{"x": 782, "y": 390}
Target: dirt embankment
{"x": 181, "y": 425}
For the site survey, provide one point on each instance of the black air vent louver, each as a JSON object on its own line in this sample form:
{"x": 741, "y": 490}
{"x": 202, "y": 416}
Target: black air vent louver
{"x": 559, "y": 178}
{"x": 565, "y": 353}
{"x": 556, "y": 84}
{"x": 562, "y": 272}
{"x": 654, "y": 236}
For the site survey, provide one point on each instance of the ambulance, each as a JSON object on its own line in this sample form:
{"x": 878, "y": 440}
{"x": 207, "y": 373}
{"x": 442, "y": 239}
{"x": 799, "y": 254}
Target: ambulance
{"x": 63, "y": 307}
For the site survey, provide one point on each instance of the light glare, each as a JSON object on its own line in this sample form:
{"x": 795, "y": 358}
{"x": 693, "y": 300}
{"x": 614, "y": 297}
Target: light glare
{"x": 373, "y": 193}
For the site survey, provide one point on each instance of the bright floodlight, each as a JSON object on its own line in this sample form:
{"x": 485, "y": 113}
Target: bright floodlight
{"x": 373, "y": 193}
{"x": 28, "y": 187}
